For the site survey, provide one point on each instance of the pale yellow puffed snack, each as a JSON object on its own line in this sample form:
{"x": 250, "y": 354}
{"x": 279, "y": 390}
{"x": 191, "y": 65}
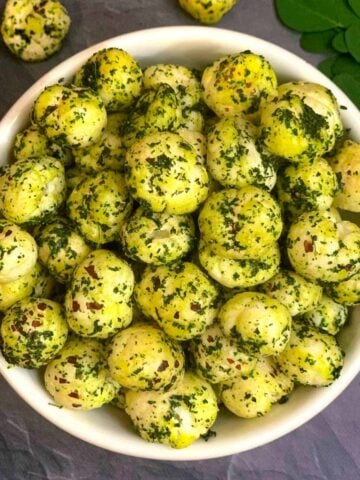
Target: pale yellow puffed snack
{"x": 293, "y": 291}
{"x": 143, "y": 357}
{"x": 18, "y": 252}
{"x": 240, "y": 273}
{"x": 192, "y": 119}
{"x": 79, "y": 378}
{"x": 47, "y": 102}
{"x": 33, "y": 29}
{"x": 207, "y": 12}
{"x": 157, "y": 110}
{"x": 184, "y": 82}
{"x": 114, "y": 75}
{"x": 72, "y": 117}
{"x": 322, "y": 248}
{"x": 254, "y": 396}
{"x": 99, "y": 205}
{"x": 239, "y": 223}
{"x": 164, "y": 173}
{"x": 305, "y": 187}
{"x": 258, "y": 323}
{"x": 24, "y": 286}
{"x": 346, "y": 292}
{"x": 218, "y": 358}
{"x": 157, "y": 238}
{"x": 323, "y": 102}
{"x": 33, "y": 331}
{"x": 233, "y": 157}
{"x": 177, "y": 417}
{"x": 198, "y": 141}
{"x": 311, "y": 357}
{"x": 329, "y": 316}
{"x": 180, "y": 298}
{"x": 301, "y": 123}
{"x": 98, "y": 301}
{"x": 238, "y": 83}
{"x": 32, "y": 190}
{"x": 31, "y": 142}
{"x": 61, "y": 249}
{"x": 108, "y": 152}
{"x": 346, "y": 165}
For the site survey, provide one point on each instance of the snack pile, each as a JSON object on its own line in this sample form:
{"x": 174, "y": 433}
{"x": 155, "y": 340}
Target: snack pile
{"x": 170, "y": 241}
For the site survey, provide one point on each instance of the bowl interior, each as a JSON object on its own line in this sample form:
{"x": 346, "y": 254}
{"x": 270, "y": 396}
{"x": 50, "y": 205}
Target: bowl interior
{"x": 108, "y": 427}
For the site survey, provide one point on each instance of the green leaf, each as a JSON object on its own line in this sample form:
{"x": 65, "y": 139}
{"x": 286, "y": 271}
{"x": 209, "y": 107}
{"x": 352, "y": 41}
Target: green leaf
{"x": 345, "y": 14}
{"x": 317, "y": 42}
{"x": 352, "y": 37}
{"x": 339, "y": 43}
{"x": 355, "y": 5}
{"x": 326, "y": 66}
{"x": 346, "y": 64}
{"x": 350, "y": 85}
{"x": 315, "y": 15}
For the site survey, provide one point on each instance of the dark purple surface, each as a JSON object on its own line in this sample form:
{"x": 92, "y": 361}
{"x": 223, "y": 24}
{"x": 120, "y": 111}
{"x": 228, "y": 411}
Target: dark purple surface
{"x": 327, "y": 448}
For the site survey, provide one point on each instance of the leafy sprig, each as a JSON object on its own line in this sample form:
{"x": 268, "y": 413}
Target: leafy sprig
{"x": 333, "y": 27}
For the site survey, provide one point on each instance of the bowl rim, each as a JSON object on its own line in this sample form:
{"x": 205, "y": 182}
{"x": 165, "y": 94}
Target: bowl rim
{"x": 153, "y": 451}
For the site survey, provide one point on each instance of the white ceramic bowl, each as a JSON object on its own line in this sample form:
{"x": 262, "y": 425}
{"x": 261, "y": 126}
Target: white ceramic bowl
{"x": 108, "y": 427}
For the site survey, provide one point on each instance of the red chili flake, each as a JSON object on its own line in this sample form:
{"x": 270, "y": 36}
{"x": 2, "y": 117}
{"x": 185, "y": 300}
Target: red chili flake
{"x": 195, "y": 306}
{"x": 41, "y": 306}
{"x": 36, "y": 323}
{"x": 76, "y": 405}
{"x": 308, "y": 246}
{"x": 150, "y": 160}
{"x": 210, "y": 339}
{"x": 163, "y": 366}
{"x": 176, "y": 363}
{"x": 24, "y": 318}
{"x": 177, "y": 315}
{"x": 17, "y": 328}
{"x": 230, "y": 360}
{"x": 74, "y": 395}
{"x": 91, "y": 271}
{"x": 72, "y": 359}
{"x": 238, "y": 366}
{"x": 94, "y": 306}
{"x": 347, "y": 267}
{"x": 62, "y": 380}
{"x": 75, "y": 306}
{"x": 9, "y": 232}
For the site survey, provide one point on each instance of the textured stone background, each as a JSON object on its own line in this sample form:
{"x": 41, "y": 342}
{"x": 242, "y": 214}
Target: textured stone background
{"x": 327, "y": 448}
